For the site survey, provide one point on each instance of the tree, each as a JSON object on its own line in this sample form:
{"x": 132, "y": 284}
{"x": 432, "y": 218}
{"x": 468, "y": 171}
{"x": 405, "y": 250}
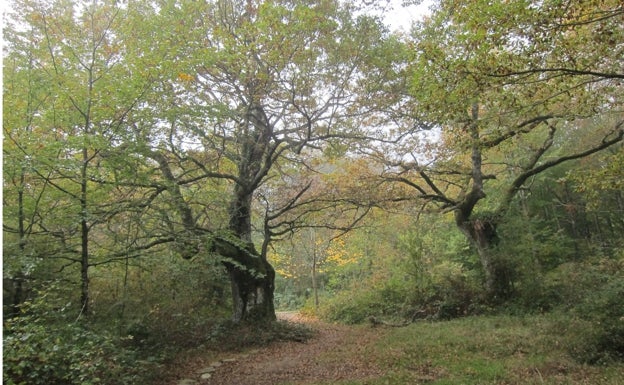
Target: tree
{"x": 260, "y": 85}
{"x": 21, "y": 197}
{"x": 66, "y": 108}
{"x": 497, "y": 77}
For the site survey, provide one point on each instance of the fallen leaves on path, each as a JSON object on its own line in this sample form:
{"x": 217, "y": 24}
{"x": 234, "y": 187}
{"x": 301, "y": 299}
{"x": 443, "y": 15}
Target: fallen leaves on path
{"x": 335, "y": 352}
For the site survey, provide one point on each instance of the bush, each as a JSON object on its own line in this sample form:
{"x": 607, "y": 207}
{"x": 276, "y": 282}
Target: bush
{"x": 603, "y": 338}
{"x": 358, "y": 306}
{"x": 44, "y": 346}
{"x": 187, "y": 327}
{"x": 449, "y": 294}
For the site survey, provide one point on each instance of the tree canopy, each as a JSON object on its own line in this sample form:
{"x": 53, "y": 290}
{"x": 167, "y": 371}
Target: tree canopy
{"x": 145, "y": 137}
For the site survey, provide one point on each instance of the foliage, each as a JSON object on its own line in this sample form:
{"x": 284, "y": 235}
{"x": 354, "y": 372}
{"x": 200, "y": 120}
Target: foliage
{"x": 136, "y": 133}
{"x": 358, "y": 306}
{"x": 164, "y": 306}
{"x": 429, "y": 272}
{"x": 442, "y": 269}
{"x": 338, "y": 259}
{"x": 529, "y": 249}
{"x": 601, "y": 175}
{"x": 602, "y": 338}
{"x": 73, "y": 171}
{"x": 496, "y": 81}
{"x": 45, "y": 346}
{"x": 489, "y": 350}
{"x": 290, "y": 294}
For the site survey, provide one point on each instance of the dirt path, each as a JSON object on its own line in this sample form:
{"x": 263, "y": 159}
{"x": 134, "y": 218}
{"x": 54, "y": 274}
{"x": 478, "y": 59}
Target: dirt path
{"x": 336, "y": 352}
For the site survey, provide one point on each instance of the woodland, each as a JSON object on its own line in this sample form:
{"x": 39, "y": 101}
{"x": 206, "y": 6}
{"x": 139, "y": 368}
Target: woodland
{"x": 176, "y": 171}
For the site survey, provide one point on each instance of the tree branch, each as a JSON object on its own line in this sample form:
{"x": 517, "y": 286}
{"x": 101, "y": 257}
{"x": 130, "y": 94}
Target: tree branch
{"x": 564, "y": 71}
{"x": 534, "y": 170}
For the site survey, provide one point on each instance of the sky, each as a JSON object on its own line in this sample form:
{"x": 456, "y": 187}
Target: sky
{"x": 401, "y": 17}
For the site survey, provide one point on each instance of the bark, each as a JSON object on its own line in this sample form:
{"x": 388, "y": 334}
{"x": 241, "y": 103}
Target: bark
{"x": 251, "y": 275}
{"x": 314, "y": 281}
{"x": 16, "y": 283}
{"x": 84, "y": 242}
{"x": 251, "y": 278}
{"x": 252, "y": 292}
{"x": 482, "y": 233}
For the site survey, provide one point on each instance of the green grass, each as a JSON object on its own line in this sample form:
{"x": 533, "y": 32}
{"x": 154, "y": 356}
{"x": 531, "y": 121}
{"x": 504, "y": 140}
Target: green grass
{"x": 486, "y": 350}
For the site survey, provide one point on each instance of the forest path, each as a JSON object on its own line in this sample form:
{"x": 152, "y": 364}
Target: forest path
{"x": 334, "y": 353}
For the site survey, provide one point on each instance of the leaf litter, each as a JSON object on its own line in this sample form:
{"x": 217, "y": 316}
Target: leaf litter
{"x": 333, "y": 353}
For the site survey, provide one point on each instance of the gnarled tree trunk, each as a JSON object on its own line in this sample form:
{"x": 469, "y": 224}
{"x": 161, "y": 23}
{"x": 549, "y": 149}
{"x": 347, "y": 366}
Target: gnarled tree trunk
{"x": 251, "y": 276}
{"x": 482, "y": 233}
{"x": 252, "y": 290}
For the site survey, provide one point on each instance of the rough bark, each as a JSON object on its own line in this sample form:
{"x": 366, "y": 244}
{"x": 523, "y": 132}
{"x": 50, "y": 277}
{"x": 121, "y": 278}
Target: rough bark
{"x": 252, "y": 291}
{"x": 482, "y": 233}
{"x": 251, "y": 278}
{"x": 251, "y": 275}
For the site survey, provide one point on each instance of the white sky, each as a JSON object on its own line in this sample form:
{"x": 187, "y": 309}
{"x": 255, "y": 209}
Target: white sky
{"x": 400, "y": 18}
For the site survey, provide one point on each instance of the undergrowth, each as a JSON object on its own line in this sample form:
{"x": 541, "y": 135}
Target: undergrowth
{"x": 482, "y": 350}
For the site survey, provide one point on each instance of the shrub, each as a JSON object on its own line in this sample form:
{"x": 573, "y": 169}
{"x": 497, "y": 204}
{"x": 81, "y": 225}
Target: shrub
{"x": 357, "y": 306}
{"x": 44, "y": 346}
{"x": 603, "y": 338}
{"x": 449, "y": 294}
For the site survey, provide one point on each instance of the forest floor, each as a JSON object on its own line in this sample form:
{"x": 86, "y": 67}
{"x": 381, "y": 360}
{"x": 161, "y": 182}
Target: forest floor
{"x": 334, "y": 353}
{"x": 471, "y": 351}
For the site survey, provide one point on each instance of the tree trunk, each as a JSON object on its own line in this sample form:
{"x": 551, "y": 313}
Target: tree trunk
{"x": 314, "y": 279}
{"x": 252, "y": 293}
{"x": 84, "y": 238}
{"x": 251, "y": 276}
{"x": 482, "y": 233}
{"x": 18, "y": 279}
{"x": 251, "y": 280}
